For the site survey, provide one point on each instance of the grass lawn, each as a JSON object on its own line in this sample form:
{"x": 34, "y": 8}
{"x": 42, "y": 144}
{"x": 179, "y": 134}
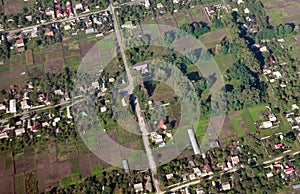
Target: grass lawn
{"x": 224, "y": 61}
{"x": 248, "y": 121}
{"x": 126, "y": 137}
{"x": 202, "y": 125}
{"x": 236, "y": 124}
{"x": 97, "y": 170}
{"x": 19, "y": 184}
{"x": 255, "y": 112}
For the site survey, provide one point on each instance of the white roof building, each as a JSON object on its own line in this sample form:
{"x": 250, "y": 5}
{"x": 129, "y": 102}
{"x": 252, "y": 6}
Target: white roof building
{"x": 226, "y": 186}
{"x": 12, "y": 106}
{"x": 138, "y": 187}
{"x": 19, "y": 131}
{"x": 3, "y": 135}
{"x": 2, "y": 107}
{"x": 267, "y": 124}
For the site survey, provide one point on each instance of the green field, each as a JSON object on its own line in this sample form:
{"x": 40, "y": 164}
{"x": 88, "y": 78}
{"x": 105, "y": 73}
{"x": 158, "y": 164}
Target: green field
{"x": 236, "y": 124}
{"x": 224, "y": 61}
{"x": 255, "y": 112}
{"x": 19, "y": 184}
{"x": 248, "y": 121}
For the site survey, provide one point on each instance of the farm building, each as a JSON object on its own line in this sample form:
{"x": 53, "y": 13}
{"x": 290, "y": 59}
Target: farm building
{"x": 194, "y": 141}
{"x": 12, "y": 106}
{"x": 126, "y": 165}
{"x": 267, "y": 124}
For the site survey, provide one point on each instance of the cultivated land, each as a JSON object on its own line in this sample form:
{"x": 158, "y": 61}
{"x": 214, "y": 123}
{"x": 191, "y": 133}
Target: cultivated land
{"x": 282, "y": 11}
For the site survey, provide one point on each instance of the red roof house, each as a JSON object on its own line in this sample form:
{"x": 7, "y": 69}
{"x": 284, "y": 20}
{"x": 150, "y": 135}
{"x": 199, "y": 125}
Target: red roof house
{"x": 271, "y": 59}
{"x": 289, "y": 170}
{"x": 279, "y": 145}
{"x": 59, "y": 13}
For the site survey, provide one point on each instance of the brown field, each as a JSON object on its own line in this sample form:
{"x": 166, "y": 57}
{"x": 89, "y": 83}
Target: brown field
{"x": 212, "y": 38}
{"x": 87, "y": 162}
{"x": 7, "y": 185}
{"x": 29, "y": 58}
{"x": 53, "y": 52}
{"x": 25, "y": 163}
{"x": 283, "y": 11}
{"x": 53, "y": 172}
{"x": 228, "y": 132}
{"x": 54, "y": 66}
{"x": 200, "y": 14}
{"x": 11, "y": 8}
{"x": 35, "y": 71}
{"x": 163, "y": 93}
{"x": 39, "y": 56}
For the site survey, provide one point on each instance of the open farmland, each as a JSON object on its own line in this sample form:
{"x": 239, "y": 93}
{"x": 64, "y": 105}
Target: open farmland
{"x": 210, "y": 39}
{"x": 282, "y": 11}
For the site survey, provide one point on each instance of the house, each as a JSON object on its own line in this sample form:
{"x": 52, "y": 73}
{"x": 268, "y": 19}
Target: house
{"x": 271, "y": 59}
{"x": 59, "y": 13}
{"x": 143, "y": 68}
{"x": 128, "y": 25}
{"x": 24, "y": 105}
{"x": 111, "y": 80}
{"x": 78, "y": 6}
{"x": 19, "y": 131}
{"x": 20, "y": 43}
{"x": 3, "y": 135}
{"x": 49, "y": 32}
{"x": 12, "y": 106}
{"x": 58, "y": 92}
{"x": 162, "y": 125}
{"x": 239, "y": 2}
{"x": 264, "y": 49}
{"x": 229, "y": 165}
{"x": 95, "y": 85}
{"x": 214, "y": 144}
{"x": 296, "y": 186}
{"x": 126, "y": 165}
{"x": 150, "y": 104}
{"x": 192, "y": 177}
{"x": 147, "y": 3}
{"x": 279, "y": 145}
{"x": 138, "y": 187}
{"x": 246, "y": 10}
{"x": 235, "y": 160}
{"x": 2, "y": 107}
{"x": 175, "y": 1}
{"x": 278, "y": 166}
{"x": 224, "y": 166}
{"x": 269, "y": 175}
{"x": 159, "y": 5}
{"x": 272, "y": 118}
{"x": 169, "y": 176}
{"x": 297, "y": 120}
{"x": 267, "y": 124}
{"x": 69, "y": 8}
{"x": 192, "y": 164}
{"x": 295, "y": 107}
{"x": 197, "y": 171}
{"x": 50, "y": 12}
{"x": 67, "y": 27}
{"x": 194, "y": 142}
{"x": 226, "y": 186}
{"x": 210, "y": 10}
{"x": 103, "y": 109}
{"x": 266, "y": 70}
{"x": 208, "y": 169}
{"x": 289, "y": 170}
{"x": 277, "y": 74}
{"x": 283, "y": 84}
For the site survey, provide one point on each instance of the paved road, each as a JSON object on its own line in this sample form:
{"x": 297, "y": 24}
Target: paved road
{"x": 194, "y": 182}
{"x": 141, "y": 120}
{"x": 75, "y": 17}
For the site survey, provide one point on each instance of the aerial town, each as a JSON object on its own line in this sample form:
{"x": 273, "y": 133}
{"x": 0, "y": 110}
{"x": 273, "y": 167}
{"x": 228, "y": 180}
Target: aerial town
{"x": 90, "y": 101}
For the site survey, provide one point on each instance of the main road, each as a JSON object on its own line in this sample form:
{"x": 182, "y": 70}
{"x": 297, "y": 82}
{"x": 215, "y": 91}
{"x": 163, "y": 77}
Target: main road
{"x": 129, "y": 90}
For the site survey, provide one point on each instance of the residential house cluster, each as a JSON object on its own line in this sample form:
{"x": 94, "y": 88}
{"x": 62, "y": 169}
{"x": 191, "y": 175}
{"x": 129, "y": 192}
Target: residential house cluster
{"x": 270, "y": 120}
{"x": 293, "y": 117}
